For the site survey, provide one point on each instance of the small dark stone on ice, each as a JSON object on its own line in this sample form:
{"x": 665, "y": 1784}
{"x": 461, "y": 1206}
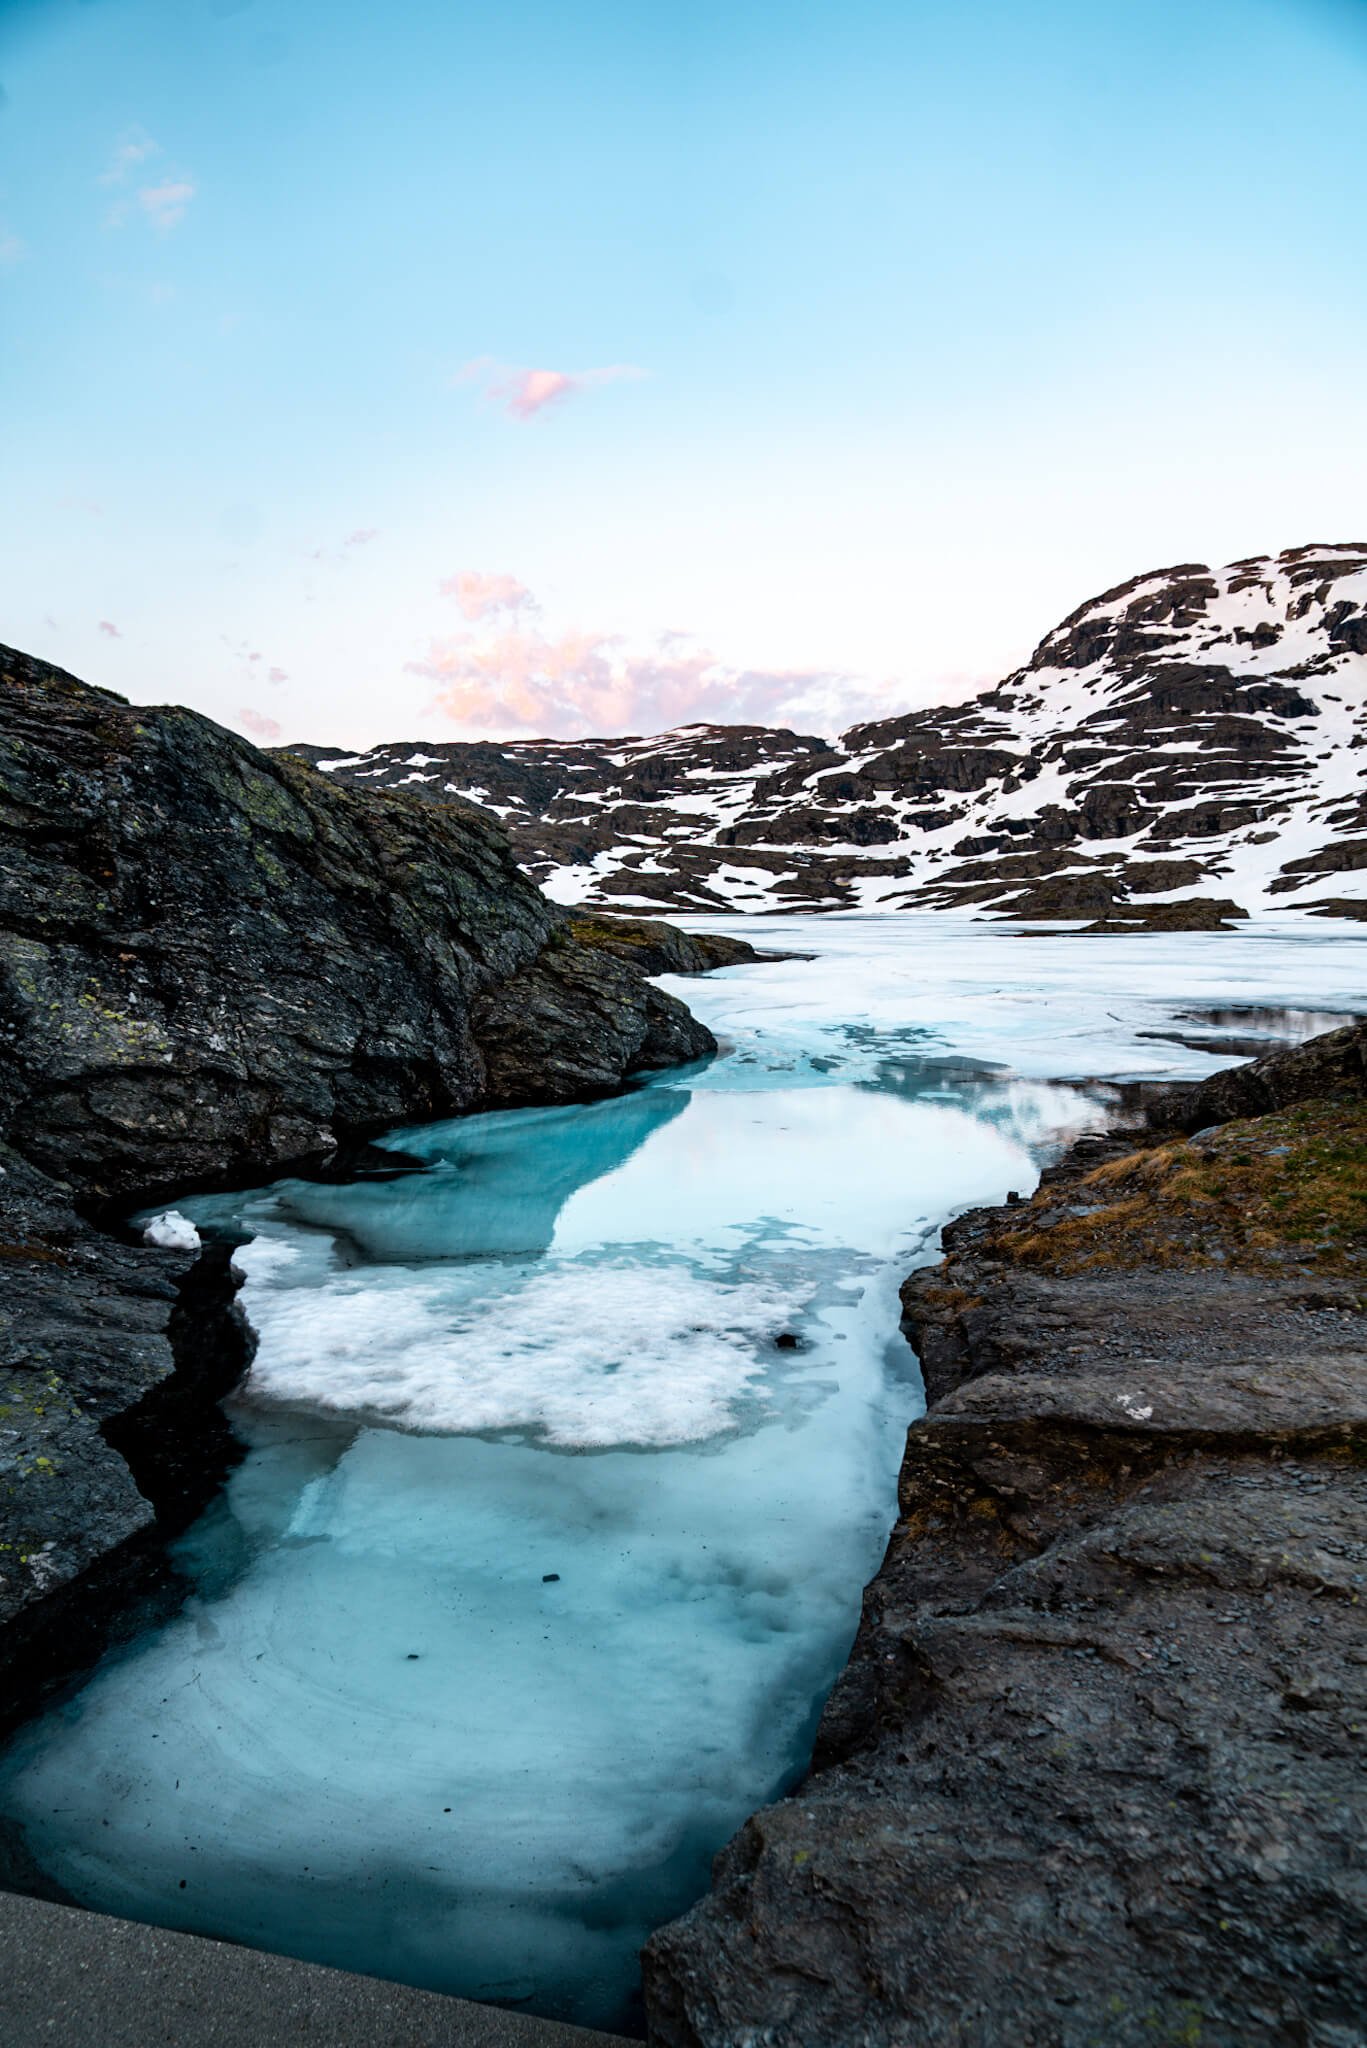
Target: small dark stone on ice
{"x": 786, "y": 1341}
{"x": 412, "y": 1657}
{"x": 550, "y": 1578}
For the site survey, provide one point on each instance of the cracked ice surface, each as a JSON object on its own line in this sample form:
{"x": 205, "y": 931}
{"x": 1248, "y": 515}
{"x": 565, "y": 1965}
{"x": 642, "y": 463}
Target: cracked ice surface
{"x": 545, "y": 1550}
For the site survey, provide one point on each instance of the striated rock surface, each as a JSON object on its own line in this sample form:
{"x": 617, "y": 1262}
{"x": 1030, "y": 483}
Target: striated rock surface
{"x": 1093, "y": 1773}
{"x": 1194, "y": 736}
{"x": 214, "y": 964}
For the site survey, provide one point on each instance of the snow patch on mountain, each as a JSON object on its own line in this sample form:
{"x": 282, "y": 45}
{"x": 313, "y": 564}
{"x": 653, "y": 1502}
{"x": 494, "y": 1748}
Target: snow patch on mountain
{"x": 1194, "y": 735}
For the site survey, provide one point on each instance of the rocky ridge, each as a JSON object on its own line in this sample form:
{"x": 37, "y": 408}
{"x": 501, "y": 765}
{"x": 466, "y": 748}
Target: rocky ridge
{"x": 1194, "y": 733}
{"x": 215, "y": 965}
{"x": 1092, "y": 1774}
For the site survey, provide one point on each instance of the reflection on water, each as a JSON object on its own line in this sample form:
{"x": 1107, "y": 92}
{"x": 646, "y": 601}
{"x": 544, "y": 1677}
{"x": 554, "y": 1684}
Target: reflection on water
{"x": 547, "y": 1548}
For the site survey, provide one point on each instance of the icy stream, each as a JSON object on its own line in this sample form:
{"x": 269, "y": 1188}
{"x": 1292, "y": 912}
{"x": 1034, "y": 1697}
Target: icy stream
{"x": 571, "y": 1455}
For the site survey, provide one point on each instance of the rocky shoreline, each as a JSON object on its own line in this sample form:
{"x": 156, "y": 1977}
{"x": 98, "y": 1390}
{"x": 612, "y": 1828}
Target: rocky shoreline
{"x": 215, "y": 967}
{"x": 1092, "y": 1773}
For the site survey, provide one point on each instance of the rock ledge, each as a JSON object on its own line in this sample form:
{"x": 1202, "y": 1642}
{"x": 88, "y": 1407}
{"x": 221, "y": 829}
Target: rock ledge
{"x": 1092, "y": 1776}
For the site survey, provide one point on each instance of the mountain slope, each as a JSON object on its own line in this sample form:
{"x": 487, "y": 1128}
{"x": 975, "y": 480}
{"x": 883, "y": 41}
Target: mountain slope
{"x": 1192, "y": 733}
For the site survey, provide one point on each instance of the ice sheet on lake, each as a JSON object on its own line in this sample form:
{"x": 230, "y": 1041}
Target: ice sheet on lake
{"x": 476, "y": 1711}
{"x": 672, "y": 1266}
{"x": 1042, "y": 1005}
{"x": 586, "y": 1353}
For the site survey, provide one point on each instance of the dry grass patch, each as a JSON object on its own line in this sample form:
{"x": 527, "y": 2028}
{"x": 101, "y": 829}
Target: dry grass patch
{"x": 1261, "y": 1194}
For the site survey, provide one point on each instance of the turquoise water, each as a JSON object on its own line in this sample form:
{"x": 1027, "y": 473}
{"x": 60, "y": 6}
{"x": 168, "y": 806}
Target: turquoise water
{"x": 569, "y": 1458}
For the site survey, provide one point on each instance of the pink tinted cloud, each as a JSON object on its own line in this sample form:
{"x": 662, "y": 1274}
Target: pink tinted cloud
{"x": 258, "y": 725}
{"x": 359, "y": 538}
{"x": 254, "y": 662}
{"x": 526, "y": 392}
{"x": 478, "y": 595}
{"x": 530, "y": 390}
{"x": 110, "y": 630}
{"x": 165, "y": 204}
{"x": 578, "y": 683}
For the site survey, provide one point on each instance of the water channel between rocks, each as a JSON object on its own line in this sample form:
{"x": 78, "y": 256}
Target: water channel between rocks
{"x": 569, "y": 1458}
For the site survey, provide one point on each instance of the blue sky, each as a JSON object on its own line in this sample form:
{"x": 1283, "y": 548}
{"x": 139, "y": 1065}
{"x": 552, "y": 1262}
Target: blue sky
{"x": 434, "y": 369}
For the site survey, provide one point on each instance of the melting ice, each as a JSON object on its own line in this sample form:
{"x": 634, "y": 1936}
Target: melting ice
{"x": 547, "y": 1548}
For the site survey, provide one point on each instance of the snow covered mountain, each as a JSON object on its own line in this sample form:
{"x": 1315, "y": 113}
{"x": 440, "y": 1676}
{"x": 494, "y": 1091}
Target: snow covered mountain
{"x": 1193, "y": 736}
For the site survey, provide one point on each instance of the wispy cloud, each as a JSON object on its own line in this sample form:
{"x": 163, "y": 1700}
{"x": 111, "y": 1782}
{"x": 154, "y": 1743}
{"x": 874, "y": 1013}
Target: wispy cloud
{"x": 514, "y": 676}
{"x": 525, "y": 392}
{"x": 133, "y": 148}
{"x": 13, "y": 248}
{"x": 479, "y": 596}
{"x": 165, "y": 205}
{"x": 110, "y": 630}
{"x": 257, "y": 724}
{"x": 162, "y": 204}
{"x": 359, "y": 537}
{"x": 277, "y": 675}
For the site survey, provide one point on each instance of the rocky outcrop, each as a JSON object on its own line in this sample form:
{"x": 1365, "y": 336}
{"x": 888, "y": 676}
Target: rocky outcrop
{"x": 1334, "y": 1064}
{"x": 1197, "y": 914}
{"x": 1194, "y": 734}
{"x": 213, "y": 961}
{"x": 652, "y": 947}
{"x": 215, "y": 964}
{"x": 1091, "y": 1774}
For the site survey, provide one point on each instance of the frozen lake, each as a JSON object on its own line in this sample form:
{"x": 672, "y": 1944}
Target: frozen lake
{"x": 571, "y": 1455}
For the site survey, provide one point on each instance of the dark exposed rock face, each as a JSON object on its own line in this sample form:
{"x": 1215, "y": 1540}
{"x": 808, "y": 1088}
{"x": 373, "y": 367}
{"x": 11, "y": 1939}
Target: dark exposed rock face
{"x": 1165, "y": 737}
{"x": 112, "y": 1358}
{"x": 1332, "y": 1064}
{"x": 577, "y": 981}
{"x": 1091, "y": 1774}
{"x": 213, "y": 961}
{"x": 212, "y": 964}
